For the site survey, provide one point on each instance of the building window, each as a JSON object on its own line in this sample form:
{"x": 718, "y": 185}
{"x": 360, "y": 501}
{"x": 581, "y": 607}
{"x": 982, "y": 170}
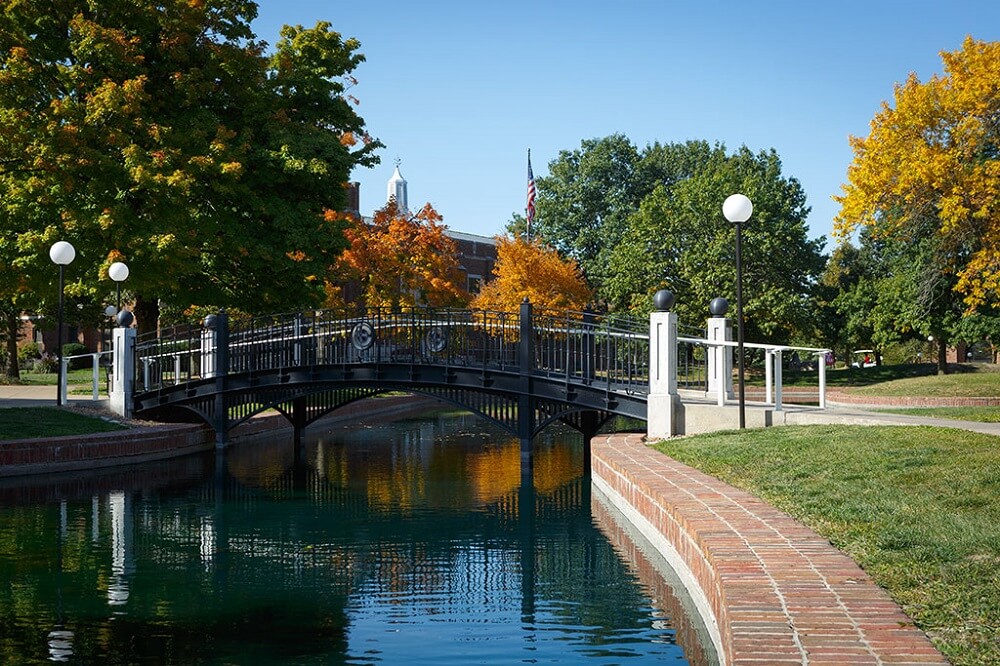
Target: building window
{"x": 475, "y": 283}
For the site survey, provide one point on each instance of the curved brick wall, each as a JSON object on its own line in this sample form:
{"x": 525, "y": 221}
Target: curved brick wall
{"x": 773, "y": 590}
{"x": 844, "y": 398}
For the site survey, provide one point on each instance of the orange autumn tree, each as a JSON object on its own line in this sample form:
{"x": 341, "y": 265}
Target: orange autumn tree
{"x": 526, "y": 268}
{"x": 398, "y": 260}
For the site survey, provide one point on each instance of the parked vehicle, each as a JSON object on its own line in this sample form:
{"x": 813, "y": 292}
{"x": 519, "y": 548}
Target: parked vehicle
{"x": 863, "y": 358}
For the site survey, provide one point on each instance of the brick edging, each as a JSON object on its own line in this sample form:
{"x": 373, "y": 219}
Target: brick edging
{"x": 842, "y": 397}
{"x": 776, "y": 591}
{"x": 159, "y": 442}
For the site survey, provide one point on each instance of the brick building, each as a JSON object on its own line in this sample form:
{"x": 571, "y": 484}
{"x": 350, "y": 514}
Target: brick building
{"x": 477, "y": 254}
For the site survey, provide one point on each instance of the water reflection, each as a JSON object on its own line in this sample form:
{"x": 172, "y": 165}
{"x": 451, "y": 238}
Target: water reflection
{"x": 414, "y": 542}
{"x": 60, "y": 640}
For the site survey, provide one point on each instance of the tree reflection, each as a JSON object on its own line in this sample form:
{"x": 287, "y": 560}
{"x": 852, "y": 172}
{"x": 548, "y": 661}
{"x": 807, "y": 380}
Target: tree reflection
{"x": 421, "y": 526}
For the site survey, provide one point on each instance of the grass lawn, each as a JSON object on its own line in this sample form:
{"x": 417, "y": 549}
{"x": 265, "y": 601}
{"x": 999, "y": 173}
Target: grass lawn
{"x": 83, "y": 376}
{"x": 25, "y": 422}
{"x": 917, "y": 507}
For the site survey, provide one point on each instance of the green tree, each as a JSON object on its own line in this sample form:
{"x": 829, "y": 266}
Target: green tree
{"x": 843, "y": 298}
{"x": 981, "y": 326}
{"x": 162, "y": 134}
{"x": 889, "y": 291}
{"x": 679, "y": 240}
{"x": 583, "y": 204}
{"x": 916, "y": 294}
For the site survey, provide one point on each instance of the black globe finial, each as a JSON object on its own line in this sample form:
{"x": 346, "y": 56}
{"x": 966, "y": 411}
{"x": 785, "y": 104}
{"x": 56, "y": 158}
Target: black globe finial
{"x": 718, "y": 307}
{"x": 125, "y": 318}
{"x": 211, "y": 321}
{"x": 663, "y": 300}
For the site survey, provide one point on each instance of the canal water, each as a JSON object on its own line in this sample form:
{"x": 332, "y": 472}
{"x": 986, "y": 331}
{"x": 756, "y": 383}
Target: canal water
{"x": 415, "y": 542}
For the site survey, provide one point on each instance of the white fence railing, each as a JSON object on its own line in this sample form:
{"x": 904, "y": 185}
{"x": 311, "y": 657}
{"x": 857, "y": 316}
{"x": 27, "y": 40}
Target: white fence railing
{"x": 96, "y": 375}
{"x": 773, "y": 354}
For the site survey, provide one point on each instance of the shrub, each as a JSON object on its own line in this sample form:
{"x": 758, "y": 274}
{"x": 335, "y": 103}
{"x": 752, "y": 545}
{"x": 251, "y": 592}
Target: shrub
{"x": 27, "y": 354}
{"x": 46, "y": 363}
{"x": 75, "y": 349}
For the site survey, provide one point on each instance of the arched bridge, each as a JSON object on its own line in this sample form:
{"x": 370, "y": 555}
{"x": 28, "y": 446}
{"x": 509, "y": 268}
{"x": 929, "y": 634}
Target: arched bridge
{"x": 522, "y": 371}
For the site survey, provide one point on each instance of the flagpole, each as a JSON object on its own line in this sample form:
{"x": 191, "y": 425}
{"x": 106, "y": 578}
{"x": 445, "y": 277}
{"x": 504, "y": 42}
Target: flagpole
{"x": 530, "y": 210}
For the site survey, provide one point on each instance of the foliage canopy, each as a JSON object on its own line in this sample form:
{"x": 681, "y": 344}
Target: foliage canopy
{"x": 528, "y": 269}
{"x": 398, "y": 260}
{"x": 642, "y": 220}
{"x": 930, "y": 170}
{"x": 162, "y": 134}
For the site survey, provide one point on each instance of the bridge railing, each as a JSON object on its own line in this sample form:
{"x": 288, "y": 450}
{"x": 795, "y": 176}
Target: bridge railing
{"x": 375, "y": 335}
{"x": 692, "y": 358}
{"x": 467, "y": 338}
{"x": 606, "y": 350}
{"x": 172, "y": 355}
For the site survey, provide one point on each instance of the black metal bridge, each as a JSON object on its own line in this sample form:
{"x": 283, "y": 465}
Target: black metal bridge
{"x": 522, "y": 371}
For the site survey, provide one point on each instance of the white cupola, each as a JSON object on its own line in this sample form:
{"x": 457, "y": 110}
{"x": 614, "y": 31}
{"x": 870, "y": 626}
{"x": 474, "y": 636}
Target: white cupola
{"x": 396, "y": 190}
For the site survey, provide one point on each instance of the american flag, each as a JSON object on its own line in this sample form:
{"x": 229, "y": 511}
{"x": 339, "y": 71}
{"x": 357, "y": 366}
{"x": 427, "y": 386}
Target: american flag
{"x": 531, "y": 195}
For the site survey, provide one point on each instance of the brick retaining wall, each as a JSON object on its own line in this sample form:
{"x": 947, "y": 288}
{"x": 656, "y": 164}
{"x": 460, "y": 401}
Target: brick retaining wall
{"x": 844, "y": 398}
{"x": 159, "y": 442}
{"x": 775, "y": 592}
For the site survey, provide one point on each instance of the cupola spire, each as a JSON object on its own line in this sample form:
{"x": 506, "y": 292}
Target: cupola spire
{"x": 396, "y": 190}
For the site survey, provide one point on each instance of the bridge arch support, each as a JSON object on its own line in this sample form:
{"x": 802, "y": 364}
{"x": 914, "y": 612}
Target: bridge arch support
{"x": 521, "y": 371}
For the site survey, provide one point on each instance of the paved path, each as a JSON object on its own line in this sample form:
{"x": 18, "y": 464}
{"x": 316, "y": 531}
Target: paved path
{"x": 36, "y": 396}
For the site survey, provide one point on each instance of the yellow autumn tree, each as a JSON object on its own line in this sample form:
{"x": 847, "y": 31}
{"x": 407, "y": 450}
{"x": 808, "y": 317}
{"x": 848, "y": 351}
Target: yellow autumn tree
{"x": 930, "y": 168}
{"x": 398, "y": 260}
{"x": 527, "y": 269}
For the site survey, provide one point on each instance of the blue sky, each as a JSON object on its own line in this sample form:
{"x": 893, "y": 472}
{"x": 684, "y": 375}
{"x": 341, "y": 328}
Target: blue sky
{"x": 458, "y": 91}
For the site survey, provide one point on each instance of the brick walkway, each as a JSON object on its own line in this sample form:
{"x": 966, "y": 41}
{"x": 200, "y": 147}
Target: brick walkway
{"x": 780, "y": 593}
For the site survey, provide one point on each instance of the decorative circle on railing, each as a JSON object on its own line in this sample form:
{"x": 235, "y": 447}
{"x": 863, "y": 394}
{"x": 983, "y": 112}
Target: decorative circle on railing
{"x": 436, "y": 339}
{"x": 362, "y": 336}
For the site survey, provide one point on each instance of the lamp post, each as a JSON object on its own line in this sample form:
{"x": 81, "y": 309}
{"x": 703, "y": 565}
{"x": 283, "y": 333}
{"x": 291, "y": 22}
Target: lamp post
{"x": 737, "y": 209}
{"x": 118, "y": 272}
{"x": 62, "y": 254}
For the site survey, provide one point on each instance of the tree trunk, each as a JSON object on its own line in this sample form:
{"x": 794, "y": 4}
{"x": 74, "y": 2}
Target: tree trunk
{"x": 12, "y": 325}
{"x": 147, "y": 313}
{"x": 942, "y": 357}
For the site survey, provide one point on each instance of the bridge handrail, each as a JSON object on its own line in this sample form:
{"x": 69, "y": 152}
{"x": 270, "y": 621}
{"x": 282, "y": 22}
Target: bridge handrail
{"x": 592, "y": 349}
{"x": 610, "y": 351}
{"x": 470, "y": 338}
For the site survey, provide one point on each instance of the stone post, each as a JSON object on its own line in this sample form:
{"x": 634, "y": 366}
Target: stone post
{"x": 663, "y": 402}
{"x": 123, "y": 366}
{"x": 209, "y": 339}
{"x": 720, "y": 358}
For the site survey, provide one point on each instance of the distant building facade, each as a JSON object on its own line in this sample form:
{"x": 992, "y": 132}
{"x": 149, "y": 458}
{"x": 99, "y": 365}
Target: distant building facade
{"x": 476, "y": 254}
